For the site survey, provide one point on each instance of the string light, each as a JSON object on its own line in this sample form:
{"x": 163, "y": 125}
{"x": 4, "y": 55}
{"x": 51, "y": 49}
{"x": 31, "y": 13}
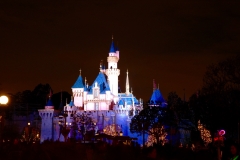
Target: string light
{"x": 153, "y": 140}
{"x": 112, "y": 130}
{"x": 205, "y": 134}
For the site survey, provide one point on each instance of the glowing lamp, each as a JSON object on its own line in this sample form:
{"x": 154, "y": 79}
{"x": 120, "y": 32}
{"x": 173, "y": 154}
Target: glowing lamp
{"x": 3, "y": 100}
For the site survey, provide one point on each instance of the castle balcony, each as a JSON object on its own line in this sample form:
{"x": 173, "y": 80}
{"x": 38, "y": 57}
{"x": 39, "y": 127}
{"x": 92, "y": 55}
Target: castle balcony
{"x": 112, "y": 59}
{"x": 112, "y": 71}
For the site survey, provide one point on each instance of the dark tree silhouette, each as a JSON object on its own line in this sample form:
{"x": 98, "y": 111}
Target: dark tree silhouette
{"x": 217, "y": 103}
{"x": 146, "y": 120}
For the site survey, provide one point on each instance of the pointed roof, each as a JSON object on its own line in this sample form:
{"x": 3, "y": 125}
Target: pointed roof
{"x": 121, "y": 102}
{"x": 78, "y": 83}
{"x": 127, "y": 84}
{"x": 49, "y": 103}
{"x": 157, "y": 97}
{"x": 102, "y": 83}
{"x": 112, "y": 48}
{"x": 71, "y": 103}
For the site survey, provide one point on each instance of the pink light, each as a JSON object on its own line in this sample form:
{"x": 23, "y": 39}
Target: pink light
{"x": 221, "y": 132}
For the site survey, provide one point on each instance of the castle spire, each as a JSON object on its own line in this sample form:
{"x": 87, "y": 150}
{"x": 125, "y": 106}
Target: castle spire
{"x": 50, "y": 93}
{"x": 112, "y": 48}
{"x": 101, "y": 66}
{"x": 154, "y": 85}
{"x": 127, "y": 84}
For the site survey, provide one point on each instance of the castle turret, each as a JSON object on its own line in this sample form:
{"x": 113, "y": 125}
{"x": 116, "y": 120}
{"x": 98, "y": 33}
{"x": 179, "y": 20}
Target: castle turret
{"x": 47, "y": 121}
{"x": 77, "y": 90}
{"x": 113, "y": 72}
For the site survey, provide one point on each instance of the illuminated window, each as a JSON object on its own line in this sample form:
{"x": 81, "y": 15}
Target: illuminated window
{"x": 96, "y": 106}
{"x": 95, "y": 92}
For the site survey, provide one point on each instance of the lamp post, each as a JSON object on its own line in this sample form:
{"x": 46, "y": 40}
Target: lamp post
{"x": 3, "y": 102}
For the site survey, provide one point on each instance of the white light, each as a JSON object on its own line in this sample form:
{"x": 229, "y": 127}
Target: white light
{"x": 3, "y": 100}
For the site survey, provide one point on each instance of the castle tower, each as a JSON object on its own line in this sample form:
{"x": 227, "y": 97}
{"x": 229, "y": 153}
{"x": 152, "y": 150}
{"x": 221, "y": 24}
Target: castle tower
{"x": 47, "y": 121}
{"x": 127, "y": 84}
{"x": 113, "y": 72}
{"x": 77, "y": 90}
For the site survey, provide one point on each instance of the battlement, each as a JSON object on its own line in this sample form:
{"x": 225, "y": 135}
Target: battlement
{"x": 46, "y": 113}
{"x": 95, "y": 113}
{"x": 112, "y": 59}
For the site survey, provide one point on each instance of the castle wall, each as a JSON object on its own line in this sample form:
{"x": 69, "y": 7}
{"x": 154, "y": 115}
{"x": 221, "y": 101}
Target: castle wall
{"x": 47, "y": 124}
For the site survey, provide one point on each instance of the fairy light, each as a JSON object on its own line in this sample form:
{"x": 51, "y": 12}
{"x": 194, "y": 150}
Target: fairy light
{"x": 153, "y": 140}
{"x": 205, "y": 134}
{"x": 112, "y": 130}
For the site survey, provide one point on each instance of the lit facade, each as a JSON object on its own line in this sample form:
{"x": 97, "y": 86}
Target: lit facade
{"x": 101, "y": 101}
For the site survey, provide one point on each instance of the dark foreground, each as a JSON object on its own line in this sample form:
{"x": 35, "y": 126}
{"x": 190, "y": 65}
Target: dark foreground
{"x": 98, "y": 151}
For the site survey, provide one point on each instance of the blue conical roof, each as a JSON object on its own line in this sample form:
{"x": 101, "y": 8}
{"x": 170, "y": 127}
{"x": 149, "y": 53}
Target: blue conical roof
{"x": 102, "y": 83}
{"x": 49, "y": 103}
{"x": 157, "y": 97}
{"x": 121, "y": 102}
{"x": 71, "y": 103}
{"x": 112, "y": 48}
{"x": 78, "y": 83}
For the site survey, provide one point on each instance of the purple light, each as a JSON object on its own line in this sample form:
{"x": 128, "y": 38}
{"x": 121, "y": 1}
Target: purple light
{"x": 221, "y": 132}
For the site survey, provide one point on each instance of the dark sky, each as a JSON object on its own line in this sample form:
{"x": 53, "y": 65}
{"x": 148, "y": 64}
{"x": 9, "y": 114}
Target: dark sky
{"x": 169, "y": 41}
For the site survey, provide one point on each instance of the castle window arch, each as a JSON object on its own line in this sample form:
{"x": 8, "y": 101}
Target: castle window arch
{"x": 95, "y": 92}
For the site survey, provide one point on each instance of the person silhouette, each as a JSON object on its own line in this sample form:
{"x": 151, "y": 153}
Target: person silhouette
{"x": 234, "y": 150}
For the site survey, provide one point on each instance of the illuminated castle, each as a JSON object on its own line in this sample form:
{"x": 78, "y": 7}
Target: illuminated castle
{"x": 101, "y": 101}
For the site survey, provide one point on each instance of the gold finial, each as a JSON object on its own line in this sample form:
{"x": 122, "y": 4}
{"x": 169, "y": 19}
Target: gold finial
{"x": 112, "y": 36}
{"x": 80, "y": 72}
{"x": 85, "y": 80}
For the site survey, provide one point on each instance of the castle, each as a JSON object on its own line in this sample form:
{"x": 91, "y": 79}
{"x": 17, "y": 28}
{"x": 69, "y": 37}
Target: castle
{"x": 109, "y": 110}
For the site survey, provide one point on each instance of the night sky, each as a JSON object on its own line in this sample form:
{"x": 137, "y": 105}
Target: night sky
{"x": 169, "y": 41}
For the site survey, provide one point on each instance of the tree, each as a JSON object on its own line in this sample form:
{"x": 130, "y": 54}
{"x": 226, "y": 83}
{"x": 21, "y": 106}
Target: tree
{"x": 217, "y": 103}
{"x": 26, "y": 102}
{"x": 59, "y": 99}
{"x": 180, "y": 108}
{"x": 149, "y": 121}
